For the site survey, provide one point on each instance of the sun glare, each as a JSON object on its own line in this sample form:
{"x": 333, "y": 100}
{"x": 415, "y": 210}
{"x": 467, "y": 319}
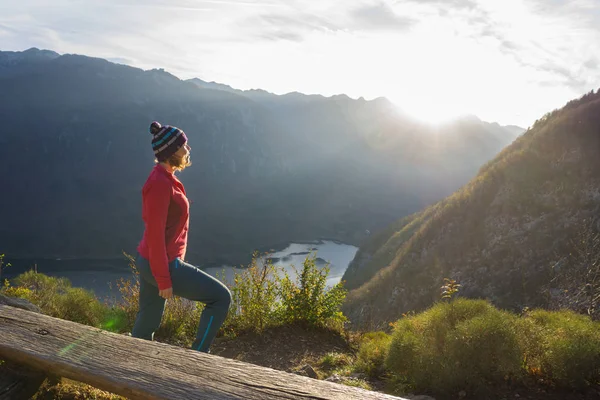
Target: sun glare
{"x": 429, "y": 111}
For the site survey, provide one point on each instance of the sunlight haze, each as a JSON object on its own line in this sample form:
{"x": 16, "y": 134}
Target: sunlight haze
{"x": 509, "y": 61}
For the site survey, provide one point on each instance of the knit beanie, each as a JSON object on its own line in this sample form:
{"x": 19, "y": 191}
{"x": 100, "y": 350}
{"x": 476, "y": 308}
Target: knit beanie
{"x": 166, "y": 140}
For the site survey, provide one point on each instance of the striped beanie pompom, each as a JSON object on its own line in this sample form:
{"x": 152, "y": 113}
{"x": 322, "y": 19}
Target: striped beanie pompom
{"x": 166, "y": 140}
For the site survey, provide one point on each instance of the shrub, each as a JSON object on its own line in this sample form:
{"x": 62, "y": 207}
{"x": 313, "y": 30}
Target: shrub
{"x": 115, "y": 320}
{"x": 486, "y": 349}
{"x": 463, "y": 344}
{"x": 262, "y": 298}
{"x": 308, "y": 301}
{"x": 372, "y": 352}
{"x": 564, "y": 347}
{"x": 129, "y": 289}
{"x": 80, "y": 305}
{"x": 44, "y": 291}
{"x": 15, "y": 291}
{"x": 57, "y": 298}
{"x": 254, "y": 297}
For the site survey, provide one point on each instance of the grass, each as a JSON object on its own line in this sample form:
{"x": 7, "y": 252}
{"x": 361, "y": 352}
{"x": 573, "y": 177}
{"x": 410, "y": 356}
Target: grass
{"x": 333, "y": 361}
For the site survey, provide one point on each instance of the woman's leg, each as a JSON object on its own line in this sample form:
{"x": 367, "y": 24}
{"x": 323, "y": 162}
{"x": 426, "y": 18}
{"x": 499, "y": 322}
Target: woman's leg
{"x": 193, "y": 284}
{"x": 151, "y": 305}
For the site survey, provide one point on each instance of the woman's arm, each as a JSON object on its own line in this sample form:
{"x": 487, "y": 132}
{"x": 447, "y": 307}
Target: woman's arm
{"x": 156, "y": 202}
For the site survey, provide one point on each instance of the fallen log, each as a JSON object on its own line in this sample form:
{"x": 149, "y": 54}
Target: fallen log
{"x": 141, "y": 369}
{"x": 18, "y": 381}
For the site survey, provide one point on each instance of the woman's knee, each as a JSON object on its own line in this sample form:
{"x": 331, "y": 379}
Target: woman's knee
{"x": 224, "y": 296}
{"x": 228, "y": 296}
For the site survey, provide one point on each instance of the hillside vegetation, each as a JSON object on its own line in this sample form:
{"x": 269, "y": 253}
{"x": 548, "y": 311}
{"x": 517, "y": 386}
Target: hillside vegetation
{"x": 458, "y": 347}
{"x": 526, "y": 219}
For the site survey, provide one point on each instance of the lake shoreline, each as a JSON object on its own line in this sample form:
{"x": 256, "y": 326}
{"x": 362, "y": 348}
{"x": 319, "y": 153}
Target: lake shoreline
{"x": 121, "y": 264}
{"x": 100, "y": 275}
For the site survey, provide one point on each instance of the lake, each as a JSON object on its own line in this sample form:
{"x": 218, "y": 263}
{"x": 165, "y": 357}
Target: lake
{"x": 98, "y": 276}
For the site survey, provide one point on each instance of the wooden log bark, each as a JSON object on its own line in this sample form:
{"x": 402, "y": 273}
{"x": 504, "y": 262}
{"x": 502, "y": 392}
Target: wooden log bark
{"x": 140, "y": 369}
{"x": 18, "y": 382}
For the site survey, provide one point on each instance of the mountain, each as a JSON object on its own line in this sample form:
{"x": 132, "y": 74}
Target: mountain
{"x": 502, "y": 236}
{"x": 268, "y": 169}
{"x": 22, "y": 59}
{"x": 213, "y": 85}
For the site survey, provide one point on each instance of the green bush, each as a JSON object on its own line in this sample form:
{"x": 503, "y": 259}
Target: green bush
{"x": 115, "y": 320}
{"x": 80, "y": 305}
{"x": 253, "y": 298}
{"x": 129, "y": 289}
{"x": 372, "y": 352}
{"x": 485, "y": 349}
{"x": 563, "y": 347}
{"x": 308, "y": 301}
{"x": 262, "y": 298}
{"x": 57, "y": 298}
{"x": 44, "y": 291}
{"x": 470, "y": 345}
{"x": 460, "y": 345}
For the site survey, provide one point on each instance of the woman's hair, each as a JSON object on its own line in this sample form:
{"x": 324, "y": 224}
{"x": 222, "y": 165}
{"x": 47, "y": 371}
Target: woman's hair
{"x": 178, "y": 162}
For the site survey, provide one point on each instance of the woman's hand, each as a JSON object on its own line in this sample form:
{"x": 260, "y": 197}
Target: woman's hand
{"x": 166, "y": 293}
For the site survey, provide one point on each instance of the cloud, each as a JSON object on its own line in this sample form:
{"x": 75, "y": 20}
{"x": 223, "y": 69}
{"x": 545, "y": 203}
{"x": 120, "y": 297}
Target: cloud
{"x": 304, "y": 21}
{"x": 591, "y": 63}
{"x": 557, "y": 42}
{"x": 299, "y": 21}
{"x": 190, "y": 5}
{"x": 563, "y": 75}
{"x": 291, "y": 26}
{"x": 280, "y": 35}
{"x": 121, "y": 60}
{"x": 380, "y": 16}
{"x": 550, "y": 39}
{"x": 8, "y": 29}
{"x": 445, "y": 5}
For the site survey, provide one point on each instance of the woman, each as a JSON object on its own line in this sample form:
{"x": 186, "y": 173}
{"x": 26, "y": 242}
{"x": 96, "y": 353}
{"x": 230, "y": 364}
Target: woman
{"x": 163, "y": 273}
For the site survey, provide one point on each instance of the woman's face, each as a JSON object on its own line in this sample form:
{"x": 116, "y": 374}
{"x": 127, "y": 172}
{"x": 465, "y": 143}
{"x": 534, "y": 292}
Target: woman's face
{"x": 184, "y": 151}
{"x": 183, "y": 156}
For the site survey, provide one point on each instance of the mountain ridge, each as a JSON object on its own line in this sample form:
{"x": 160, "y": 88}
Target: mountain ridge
{"x": 264, "y": 171}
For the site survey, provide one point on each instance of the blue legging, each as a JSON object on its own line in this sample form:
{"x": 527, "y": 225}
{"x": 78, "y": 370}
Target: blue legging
{"x": 188, "y": 282}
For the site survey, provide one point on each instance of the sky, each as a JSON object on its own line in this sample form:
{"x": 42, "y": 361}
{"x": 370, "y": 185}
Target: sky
{"x": 509, "y": 61}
